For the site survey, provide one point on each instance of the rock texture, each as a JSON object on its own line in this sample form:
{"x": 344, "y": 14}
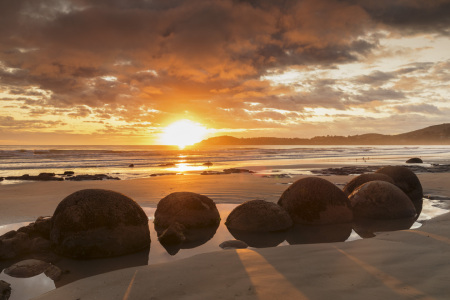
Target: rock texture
{"x": 32, "y": 267}
{"x": 96, "y": 223}
{"x": 314, "y": 200}
{"x": 259, "y": 216}
{"x": 407, "y": 181}
{"x": 5, "y": 290}
{"x": 188, "y": 209}
{"x": 381, "y": 200}
{"x": 363, "y": 178}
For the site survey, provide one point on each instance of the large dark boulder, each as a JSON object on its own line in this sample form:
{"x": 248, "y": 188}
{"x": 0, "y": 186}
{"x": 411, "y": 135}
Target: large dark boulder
{"x": 188, "y": 209}
{"x": 179, "y": 214}
{"x": 259, "y": 216}
{"x": 414, "y": 160}
{"x": 407, "y": 181}
{"x": 315, "y": 201}
{"x": 381, "y": 200}
{"x": 14, "y": 244}
{"x": 96, "y": 223}
{"x": 363, "y": 178}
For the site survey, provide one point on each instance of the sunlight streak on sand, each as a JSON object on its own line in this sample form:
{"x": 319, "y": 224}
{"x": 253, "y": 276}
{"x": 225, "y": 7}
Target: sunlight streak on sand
{"x": 267, "y": 281}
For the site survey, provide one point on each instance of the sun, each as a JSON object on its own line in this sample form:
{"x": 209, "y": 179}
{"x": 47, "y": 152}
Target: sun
{"x": 183, "y": 133}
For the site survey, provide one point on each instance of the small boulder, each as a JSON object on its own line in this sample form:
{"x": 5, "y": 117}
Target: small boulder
{"x": 259, "y": 216}
{"x": 363, "y": 178}
{"x": 381, "y": 200}
{"x": 316, "y": 201}
{"x": 173, "y": 235}
{"x": 233, "y": 244}
{"x": 5, "y": 290}
{"x": 15, "y": 245}
{"x": 97, "y": 223}
{"x": 188, "y": 209}
{"x": 414, "y": 160}
{"x": 131, "y": 166}
{"x": 407, "y": 181}
{"x": 27, "y": 268}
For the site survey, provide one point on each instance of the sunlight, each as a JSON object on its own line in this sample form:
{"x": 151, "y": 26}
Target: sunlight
{"x": 183, "y": 133}
{"x": 184, "y": 167}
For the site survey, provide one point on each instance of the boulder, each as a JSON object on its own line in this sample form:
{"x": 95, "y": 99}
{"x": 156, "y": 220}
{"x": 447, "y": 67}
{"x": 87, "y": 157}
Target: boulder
{"x": 131, "y": 165}
{"x": 68, "y": 173}
{"x": 96, "y": 223}
{"x": 259, "y": 216}
{"x": 188, "y": 209}
{"x": 233, "y": 244}
{"x": 414, "y": 160}
{"x": 5, "y": 290}
{"x": 407, "y": 181}
{"x": 363, "y": 178}
{"x": 381, "y": 200}
{"x": 14, "y": 244}
{"x": 315, "y": 201}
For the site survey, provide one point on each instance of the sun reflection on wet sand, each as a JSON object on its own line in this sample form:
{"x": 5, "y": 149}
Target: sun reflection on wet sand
{"x": 184, "y": 167}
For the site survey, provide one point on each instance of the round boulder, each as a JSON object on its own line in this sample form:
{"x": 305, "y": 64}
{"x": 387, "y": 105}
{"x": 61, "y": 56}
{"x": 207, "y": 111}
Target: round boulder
{"x": 27, "y": 268}
{"x": 381, "y": 200}
{"x": 96, "y": 223}
{"x": 407, "y": 181}
{"x": 363, "y": 178}
{"x": 414, "y": 160}
{"x": 316, "y": 201}
{"x": 190, "y": 210}
{"x": 259, "y": 216}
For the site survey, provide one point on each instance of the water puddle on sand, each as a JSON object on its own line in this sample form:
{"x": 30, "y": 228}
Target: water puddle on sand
{"x": 26, "y": 288}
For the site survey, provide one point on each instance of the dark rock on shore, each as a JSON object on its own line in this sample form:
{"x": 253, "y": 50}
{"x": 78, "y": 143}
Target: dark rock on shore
{"x": 407, "y": 181}
{"x": 40, "y": 177}
{"x": 162, "y": 174}
{"x": 259, "y": 216}
{"x": 234, "y": 170}
{"x": 179, "y": 212}
{"x": 233, "y": 244}
{"x": 434, "y": 168}
{"x": 92, "y": 177}
{"x": 1, "y": 178}
{"x": 5, "y": 290}
{"x": 381, "y": 200}
{"x": 363, "y": 178}
{"x": 314, "y": 200}
{"x": 131, "y": 166}
{"x": 96, "y": 223}
{"x": 414, "y": 160}
{"x": 69, "y": 173}
{"x": 213, "y": 173}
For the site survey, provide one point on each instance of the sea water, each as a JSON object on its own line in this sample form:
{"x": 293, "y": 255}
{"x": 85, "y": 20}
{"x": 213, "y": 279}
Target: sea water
{"x": 147, "y": 160}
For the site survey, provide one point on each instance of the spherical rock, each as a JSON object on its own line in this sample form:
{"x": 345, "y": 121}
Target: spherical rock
{"x": 414, "y": 160}
{"x": 191, "y": 210}
{"x": 259, "y": 216}
{"x": 314, "y": 200}
{"x": 381, "y": 200}
{"x": 363, "y": 178}
{"x": 407, "y": 181}
{"x": 96, "y": 223}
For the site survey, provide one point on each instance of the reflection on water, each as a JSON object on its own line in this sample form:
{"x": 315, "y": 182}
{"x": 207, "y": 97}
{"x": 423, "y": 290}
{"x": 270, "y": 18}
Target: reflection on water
{"x": 194, "y": 237}
{"x": 206, "y": 241}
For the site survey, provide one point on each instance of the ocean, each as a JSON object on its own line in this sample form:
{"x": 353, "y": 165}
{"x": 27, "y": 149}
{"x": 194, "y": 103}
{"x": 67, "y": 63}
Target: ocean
{"x": 147, "y": 160}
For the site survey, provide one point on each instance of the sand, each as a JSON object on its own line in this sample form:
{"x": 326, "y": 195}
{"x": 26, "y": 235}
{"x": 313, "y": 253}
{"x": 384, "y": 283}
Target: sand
{"x": 412, "y": 264}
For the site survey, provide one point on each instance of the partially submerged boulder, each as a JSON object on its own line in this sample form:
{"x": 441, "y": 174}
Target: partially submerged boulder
{"x": 363, "y": 178}
{"x": 316, "y": 201}
{"x": 32, "y": 267}
{"x": 407, "y": 181}
{"x": 188, "y": 209}
{"x": 259, "y": 216}
{"x": 381, "y": 200}
{"x": 96, "y": 223}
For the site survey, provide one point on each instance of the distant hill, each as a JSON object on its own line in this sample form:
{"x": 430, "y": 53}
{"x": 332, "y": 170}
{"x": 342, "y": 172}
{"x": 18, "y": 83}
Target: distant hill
{"x": 433, "y": 135}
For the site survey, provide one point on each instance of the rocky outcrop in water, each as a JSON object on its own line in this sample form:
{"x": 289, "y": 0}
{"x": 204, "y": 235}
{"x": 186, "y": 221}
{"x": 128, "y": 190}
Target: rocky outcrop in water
{"x": 92, "y": 177}
{"x": 40, "y": 177}
{"x": 314, "y": 200}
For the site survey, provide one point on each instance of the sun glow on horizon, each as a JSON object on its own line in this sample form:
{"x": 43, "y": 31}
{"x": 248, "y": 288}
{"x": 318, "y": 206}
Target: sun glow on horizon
{"x": 183, "y": 133}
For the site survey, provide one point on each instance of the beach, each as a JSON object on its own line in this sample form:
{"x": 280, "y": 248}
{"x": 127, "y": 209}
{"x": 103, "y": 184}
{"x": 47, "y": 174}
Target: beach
{"x": 344, "y": 268}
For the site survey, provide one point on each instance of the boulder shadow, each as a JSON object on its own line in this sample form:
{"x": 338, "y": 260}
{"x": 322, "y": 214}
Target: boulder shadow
{"x": 366, "y": 228}
{"x": 259, "y": 239}
{"x": 315, "y": 234}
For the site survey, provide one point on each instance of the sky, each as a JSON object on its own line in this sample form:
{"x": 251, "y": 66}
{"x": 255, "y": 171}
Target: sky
{"x": 120, "y": 71}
